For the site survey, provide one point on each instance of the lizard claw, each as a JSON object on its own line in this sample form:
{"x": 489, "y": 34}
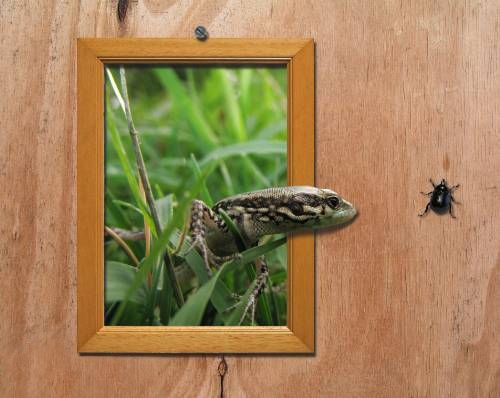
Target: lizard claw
{"x": 260, "y": 284}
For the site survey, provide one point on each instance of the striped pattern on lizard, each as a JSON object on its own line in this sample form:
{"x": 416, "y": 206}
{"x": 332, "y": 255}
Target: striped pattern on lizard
{"x": 259, "y": 213}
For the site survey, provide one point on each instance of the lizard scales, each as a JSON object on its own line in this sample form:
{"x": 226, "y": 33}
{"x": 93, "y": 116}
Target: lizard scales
{"x": 265, "y": 212}
{"x": 273, "y": 211}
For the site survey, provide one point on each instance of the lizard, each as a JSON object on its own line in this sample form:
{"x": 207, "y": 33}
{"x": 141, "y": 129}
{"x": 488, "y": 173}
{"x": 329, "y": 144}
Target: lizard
{"x": 259, "y": 213}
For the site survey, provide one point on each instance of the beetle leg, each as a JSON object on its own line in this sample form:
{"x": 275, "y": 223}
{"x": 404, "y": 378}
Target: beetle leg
{"x": 450, "y": 210}
{"x": 455, "y": 201}
{"x": 426, "y": 194}
{"x": 426, "y": 210}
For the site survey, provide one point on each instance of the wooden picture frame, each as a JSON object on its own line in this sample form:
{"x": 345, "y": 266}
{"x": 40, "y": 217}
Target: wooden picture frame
{"x": 93, "y": 337}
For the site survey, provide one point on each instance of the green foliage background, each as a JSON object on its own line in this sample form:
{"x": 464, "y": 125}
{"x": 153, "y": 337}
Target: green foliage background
{"x": 206, "y": 132}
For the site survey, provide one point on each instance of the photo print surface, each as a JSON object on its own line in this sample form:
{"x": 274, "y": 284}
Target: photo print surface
{"x": 179, "y": 140}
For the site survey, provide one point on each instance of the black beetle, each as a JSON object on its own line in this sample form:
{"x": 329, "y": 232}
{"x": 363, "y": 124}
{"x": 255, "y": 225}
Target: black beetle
{"x": 441, "y": 198}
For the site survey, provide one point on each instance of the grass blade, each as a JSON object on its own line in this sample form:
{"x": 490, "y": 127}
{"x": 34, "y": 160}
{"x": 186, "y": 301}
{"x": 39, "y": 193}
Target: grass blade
{"x": 114, "y": 214}
{"x": 118, "y": 279}
{"x": 207, "y": 198}
{"x": 222, "y": 297}
{"x": 256, "y": 147}
{"x": 234, "y": 118}
{"x": 166, "y": 301}
{"x": 180, "y": 97}
{"x": 158, "y": 249}
{"x": 127, "y": 168}
{"x": 191, "y": 313}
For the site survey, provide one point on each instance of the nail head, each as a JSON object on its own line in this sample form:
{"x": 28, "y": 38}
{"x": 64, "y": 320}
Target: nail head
{"x": 201, "y": 33}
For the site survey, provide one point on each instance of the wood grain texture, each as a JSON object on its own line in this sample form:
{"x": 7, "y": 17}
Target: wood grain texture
{"x": 406, "y": 307}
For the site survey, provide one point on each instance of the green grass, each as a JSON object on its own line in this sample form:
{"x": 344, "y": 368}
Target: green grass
{"x": 207, "y": 133}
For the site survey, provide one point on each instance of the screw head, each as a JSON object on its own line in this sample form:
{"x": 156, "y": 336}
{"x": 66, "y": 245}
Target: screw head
{"x": 201, "y": 33}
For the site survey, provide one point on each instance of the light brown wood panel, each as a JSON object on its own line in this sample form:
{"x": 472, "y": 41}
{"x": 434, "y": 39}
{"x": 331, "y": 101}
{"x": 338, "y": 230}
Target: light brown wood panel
{"x": 406, "y": 307}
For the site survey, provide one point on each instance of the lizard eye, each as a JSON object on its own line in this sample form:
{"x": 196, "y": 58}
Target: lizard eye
{"x": 333, "y": 201}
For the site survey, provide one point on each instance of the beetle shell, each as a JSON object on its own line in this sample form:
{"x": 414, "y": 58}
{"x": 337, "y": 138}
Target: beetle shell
{"x": 441, "y": 198}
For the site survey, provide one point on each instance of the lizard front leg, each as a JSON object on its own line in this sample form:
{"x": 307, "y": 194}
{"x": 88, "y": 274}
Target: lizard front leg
{"x": 202, "y": 219}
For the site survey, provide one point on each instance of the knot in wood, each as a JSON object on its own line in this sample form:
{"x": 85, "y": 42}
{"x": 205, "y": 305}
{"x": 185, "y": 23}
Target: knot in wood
{"x": 222, "y": 368}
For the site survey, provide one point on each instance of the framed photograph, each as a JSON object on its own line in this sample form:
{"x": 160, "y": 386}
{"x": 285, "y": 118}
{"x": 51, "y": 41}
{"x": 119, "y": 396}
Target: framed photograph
{"x": 180, "y": 142}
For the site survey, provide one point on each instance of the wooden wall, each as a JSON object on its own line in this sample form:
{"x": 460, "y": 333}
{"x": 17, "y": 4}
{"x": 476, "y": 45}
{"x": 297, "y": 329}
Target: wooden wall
{"x": 407, "y": 307}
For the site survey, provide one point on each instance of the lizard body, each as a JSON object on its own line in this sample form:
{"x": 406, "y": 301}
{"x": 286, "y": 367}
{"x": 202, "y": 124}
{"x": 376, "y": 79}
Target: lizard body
{"x": 272, "y": 211}
{"x": 259, "y": 213}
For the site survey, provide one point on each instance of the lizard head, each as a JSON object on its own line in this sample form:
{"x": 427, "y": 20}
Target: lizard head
{"x": 337, "y": 209}
{"x": 318, "y": 208}
{"x": 286, "y": 209}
